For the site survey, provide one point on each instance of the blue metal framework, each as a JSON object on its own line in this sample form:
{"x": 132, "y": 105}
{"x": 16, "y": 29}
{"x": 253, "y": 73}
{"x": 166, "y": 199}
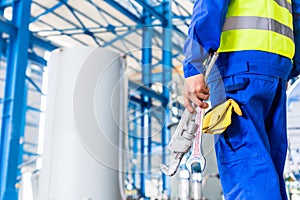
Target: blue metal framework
{"x": 13, "y": 119}
{"x": 160, "y": 28}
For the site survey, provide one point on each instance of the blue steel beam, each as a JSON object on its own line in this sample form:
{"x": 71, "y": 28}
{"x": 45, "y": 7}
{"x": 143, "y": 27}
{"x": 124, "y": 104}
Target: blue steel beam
{"x": 118, "y": 37}
{"x": 175, "y": 46}
{"x": 13, "y": 121}
{"x": 5, "y": 3}
{"x": 7, "y": 27}
{"x": 152, "y": 11}
{"x": 39, "y": 90}
{"x": 160, "y": 16}
{"x": 142, "y": 153}
{"x": 136, "y": 19}
{"x": 94, "y": 29}
{"x": 70, "y": 35}
{"x": 54, "y": 29}
{"x": 58, "y": 15}
{"x": 188, "y": 14}
{"x": 147, "y": 91}
{"x": 31, "y": 56}
{"x": 181, "y": 17}
{"x": 66, "y": 20}
{"x": 37, "y": 59}
{"x": 135, "y": 144}
{"x": 34, "y": 109}
{"x": 137, "y": 10}
{"x": 49, "y": 10}
{"x": 11, "y": 30}
{"x": 140, "y": 22}
{"x": 2, "y": 46}
{"x": 31, "y": 153}
{"x": 47, "y": 45}
{"x": 132, "y": 140}
{"x": 167, "y": 77}
{"x": 125, "y": 11}
{"x": 146, "y": 80}
{"x": 136, "y": 100}
{"x": 107, "y": 28}
{"x": 131, "y": 16}
{"x": 85, "y": 29}
{"x": 128, "y": 14}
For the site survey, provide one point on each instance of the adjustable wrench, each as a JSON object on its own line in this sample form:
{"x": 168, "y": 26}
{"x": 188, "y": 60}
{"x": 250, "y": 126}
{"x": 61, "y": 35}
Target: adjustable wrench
{"x": 181, "y": 141}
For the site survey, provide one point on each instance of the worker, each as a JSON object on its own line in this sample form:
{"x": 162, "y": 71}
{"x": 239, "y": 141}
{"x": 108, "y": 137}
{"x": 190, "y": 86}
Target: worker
{"x": 256, "y": 41}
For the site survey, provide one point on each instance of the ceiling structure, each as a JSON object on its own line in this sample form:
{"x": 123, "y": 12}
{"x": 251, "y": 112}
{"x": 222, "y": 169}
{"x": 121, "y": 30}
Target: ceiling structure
{"x": 114, "y": 24}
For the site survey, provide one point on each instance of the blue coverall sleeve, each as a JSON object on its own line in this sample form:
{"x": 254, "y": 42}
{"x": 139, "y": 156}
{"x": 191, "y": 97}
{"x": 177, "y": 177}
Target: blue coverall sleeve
{"x": 204, "y": 33}
{"x": 296, "y": 19}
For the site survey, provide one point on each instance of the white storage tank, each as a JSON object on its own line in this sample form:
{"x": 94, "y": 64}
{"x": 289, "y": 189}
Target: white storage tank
{"x": 80, "y": 158}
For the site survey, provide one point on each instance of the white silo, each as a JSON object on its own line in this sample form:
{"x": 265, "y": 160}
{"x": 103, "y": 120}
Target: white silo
{"x": 80, "y": 158}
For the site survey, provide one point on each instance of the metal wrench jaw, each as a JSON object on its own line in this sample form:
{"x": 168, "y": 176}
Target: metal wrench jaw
{"x": 172, "y": 168}
{"x": 181, "y": 142}
{"x": 196, "y": 164}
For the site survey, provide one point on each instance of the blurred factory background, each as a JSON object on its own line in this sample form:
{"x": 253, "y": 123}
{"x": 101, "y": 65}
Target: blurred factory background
{"x": 89, "y": 99}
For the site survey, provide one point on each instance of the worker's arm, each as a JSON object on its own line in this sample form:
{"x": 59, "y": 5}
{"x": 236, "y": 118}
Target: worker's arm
{"x": 203, "y": 37}
{"x": 296, "y": 19}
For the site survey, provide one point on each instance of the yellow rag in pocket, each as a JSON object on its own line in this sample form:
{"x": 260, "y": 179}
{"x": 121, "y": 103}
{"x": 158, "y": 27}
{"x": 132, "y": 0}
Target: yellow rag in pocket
{"x": 219, "y": 118}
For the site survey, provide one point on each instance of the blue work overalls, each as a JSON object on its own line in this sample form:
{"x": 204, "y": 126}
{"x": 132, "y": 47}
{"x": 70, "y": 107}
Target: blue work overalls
{"x": 251, "y": 153}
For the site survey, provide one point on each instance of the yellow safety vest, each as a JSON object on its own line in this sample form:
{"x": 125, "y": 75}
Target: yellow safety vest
{"x": 265, "y": 25}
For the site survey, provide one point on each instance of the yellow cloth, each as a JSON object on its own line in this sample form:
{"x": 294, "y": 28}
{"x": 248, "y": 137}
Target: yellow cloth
{"x": 219, "y": 118}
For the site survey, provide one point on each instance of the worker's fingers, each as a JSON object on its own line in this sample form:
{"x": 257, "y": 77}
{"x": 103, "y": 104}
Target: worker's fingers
{"x": 187, "y": 104}
{"x": 198, "y": 102}
{"x": 195, "y": 90}
{"x": 204, "y": 105}
{"x": 201, "y": 88}
{"x": 202, "y": 96}
{"x": 191, "y": 97}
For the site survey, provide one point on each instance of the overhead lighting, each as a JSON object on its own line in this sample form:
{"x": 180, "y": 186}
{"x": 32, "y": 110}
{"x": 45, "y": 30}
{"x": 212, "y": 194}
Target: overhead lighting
{"x": 8, "y": 13}
{"x": 175, "y": 111}
{"x": 33, "y": 27}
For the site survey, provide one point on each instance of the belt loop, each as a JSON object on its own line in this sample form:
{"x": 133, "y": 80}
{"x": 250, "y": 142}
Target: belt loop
{"x": 252, "y": 67}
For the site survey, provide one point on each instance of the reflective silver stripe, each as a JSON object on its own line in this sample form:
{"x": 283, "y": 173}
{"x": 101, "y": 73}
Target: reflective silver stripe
{"x": 285, "y": 4}
{"x": 260, "y": 23}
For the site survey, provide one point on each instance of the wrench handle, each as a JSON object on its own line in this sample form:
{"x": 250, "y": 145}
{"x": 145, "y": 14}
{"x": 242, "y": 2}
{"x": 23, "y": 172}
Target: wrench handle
{"x": 198, "y": 137}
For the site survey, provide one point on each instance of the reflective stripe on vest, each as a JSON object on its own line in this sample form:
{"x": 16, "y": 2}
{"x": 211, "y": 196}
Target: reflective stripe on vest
{"x": 260, "y": 23}
{"x": 285, "y": 4}
{"x": 264, "y": 25}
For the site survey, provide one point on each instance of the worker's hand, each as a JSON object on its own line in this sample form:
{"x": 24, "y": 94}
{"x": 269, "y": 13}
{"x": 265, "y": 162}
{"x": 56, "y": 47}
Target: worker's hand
{"x": 195, "y": 90}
